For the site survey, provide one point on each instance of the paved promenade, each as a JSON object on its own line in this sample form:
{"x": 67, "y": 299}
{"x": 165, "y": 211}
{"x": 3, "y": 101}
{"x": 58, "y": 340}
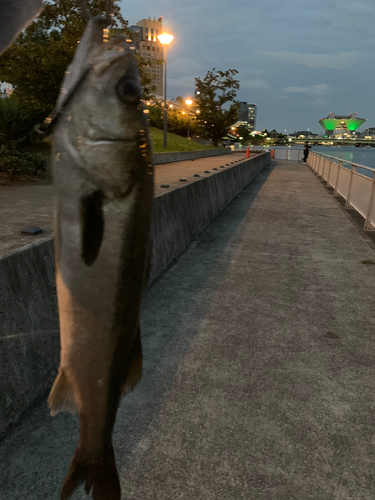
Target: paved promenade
{"x": 32, "y": 205}
{"x": 259, "y": 365}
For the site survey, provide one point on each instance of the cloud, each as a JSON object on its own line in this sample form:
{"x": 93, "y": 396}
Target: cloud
{"x": 255, "y": 84}
{"x": 320, "y": 89}
{"x": 341, "y": 60}
{"x": 182, "y": 81}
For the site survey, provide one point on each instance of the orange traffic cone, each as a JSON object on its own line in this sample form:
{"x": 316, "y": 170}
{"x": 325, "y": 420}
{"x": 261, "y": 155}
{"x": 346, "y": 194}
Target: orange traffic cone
{"x": 247, "y": 152}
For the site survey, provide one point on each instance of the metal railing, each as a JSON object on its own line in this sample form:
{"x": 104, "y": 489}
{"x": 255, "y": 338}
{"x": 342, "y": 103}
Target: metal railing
{"x": 281, "y": 153}
{"x": 288, "y": 154}
{"x": 355, "y": 183}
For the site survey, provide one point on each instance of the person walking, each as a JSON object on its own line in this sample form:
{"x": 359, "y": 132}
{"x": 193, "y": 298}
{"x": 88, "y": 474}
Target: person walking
{"x": 306, "y": 151}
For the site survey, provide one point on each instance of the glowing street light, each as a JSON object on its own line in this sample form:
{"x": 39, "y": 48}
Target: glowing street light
{"x": 188, "y": 102}
{"x": 165, "y": 39}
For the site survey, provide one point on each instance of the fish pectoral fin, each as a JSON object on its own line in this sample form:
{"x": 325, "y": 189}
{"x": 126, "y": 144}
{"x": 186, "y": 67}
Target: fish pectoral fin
{"x": 135, "y": 371}
{"x": 61, "y": 397}
{"x": 92, "y": 226}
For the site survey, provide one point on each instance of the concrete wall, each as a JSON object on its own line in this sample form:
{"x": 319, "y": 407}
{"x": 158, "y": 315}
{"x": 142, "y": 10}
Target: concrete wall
{"x": 188, "y": 155}
{"x": 29, "y": 334}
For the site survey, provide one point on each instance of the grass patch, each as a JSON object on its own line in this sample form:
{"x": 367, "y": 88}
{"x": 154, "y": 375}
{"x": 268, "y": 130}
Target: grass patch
{"x": 175, "y": 142}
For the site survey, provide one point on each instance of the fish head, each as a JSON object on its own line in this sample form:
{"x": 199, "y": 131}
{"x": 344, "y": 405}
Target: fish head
{"x": 105, "y": 126}
{"x": 110, "y": 105}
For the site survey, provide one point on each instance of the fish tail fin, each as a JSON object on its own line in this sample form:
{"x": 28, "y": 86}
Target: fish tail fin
{"x": 101, "y": 478}
{"x": 135, "y": 371}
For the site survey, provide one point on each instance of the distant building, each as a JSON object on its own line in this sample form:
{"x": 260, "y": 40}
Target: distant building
{"x": 274, "y": 134}
{"x": 369, "y": 132}
{"x": 302, "y": 134}
{"x": 6, "y": 89}
{"x": 247, "y": 116}
{"x": 343, "y": 125}
{"x": 149, "y": 48}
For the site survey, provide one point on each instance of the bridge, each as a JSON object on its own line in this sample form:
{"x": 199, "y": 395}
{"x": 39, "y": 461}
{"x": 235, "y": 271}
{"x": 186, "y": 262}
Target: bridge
{"x": 329, "y": 141}
{"x": 259, "y": 353}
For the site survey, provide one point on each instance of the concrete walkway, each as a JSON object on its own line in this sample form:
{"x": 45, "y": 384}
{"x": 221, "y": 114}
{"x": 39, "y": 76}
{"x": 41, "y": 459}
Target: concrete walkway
{"x": 259, "y": 374}
{"x": 32, "y": 205}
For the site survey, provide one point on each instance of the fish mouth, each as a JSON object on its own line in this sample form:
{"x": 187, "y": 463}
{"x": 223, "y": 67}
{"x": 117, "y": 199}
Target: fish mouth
{"x": 103, "y": 141}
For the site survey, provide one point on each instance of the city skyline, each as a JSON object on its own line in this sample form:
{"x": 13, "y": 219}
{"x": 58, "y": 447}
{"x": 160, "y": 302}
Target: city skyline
{"x": 298, "y": 64}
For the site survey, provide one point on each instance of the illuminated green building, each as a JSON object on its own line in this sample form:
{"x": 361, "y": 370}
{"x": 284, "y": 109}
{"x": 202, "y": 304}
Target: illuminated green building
{"x": 344, "y": 124}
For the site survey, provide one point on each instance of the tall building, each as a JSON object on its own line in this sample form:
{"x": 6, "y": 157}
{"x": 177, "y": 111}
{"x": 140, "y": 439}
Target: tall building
{"x": 247, "y": 115}
{"x": 252, "y": 116}
{"x": 149, "y": 48}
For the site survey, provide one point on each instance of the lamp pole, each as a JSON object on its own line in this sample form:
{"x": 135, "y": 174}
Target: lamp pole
{"x": 188, "y": 103}
{"x": 165, "y": 98}
{"x": 165, "y": 39}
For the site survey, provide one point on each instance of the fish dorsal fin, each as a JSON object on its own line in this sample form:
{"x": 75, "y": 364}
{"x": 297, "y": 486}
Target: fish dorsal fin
{"x": 61, "y": 396}
{"x": 92, "y": 37}
{"x": 78, "y": 69}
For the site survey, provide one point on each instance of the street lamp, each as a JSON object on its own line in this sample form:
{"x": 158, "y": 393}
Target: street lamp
{"x": 188, "y": 103}
{"x": 165, "y": 39}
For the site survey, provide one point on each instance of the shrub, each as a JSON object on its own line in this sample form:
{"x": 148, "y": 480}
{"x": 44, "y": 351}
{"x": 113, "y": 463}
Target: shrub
{"x": 16, "y": 123}
{"x": 15, "y": 162}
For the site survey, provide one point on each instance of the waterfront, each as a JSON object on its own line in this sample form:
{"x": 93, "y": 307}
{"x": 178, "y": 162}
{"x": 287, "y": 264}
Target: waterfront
{"x": 360, "y": 156}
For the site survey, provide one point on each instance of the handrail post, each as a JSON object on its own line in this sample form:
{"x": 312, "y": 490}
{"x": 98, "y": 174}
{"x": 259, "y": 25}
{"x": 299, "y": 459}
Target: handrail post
{"x": 335, "y": 192}
{"x": 368, "y": 226}
{"x": 323, "y": 167}
{"x": 347, "y": 203}
{"x": 314, "y": 161}
{"x": 320, "y": 165}
{"x": 329, "y": 172}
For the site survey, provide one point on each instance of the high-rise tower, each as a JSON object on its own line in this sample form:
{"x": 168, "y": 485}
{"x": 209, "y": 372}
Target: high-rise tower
{"x": 149, "y": 48}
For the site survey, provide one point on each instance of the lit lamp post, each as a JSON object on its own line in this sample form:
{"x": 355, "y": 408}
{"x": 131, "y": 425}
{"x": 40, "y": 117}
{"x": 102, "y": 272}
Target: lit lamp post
{"x": 188, "y": 103}
{"x": 165, "y": 39}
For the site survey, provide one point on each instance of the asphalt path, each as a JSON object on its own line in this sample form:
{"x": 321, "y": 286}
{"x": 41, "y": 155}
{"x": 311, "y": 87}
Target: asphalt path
{"x": 259, "y": 365}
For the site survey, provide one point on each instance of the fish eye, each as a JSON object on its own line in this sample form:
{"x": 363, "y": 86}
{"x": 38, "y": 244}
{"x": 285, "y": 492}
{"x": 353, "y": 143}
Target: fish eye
{"x": 128, "y": 91}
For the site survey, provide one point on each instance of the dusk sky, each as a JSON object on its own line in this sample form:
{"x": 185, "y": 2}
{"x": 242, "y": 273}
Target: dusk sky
{"x": 296, "y": 60}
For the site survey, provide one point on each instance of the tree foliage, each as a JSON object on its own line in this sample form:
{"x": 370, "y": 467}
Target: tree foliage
{"x": 243, "y": 132}
{"x": 16, "y": 124}
{"x": 178, "y": 123}
{"x": 216, "y": 103}
{"x": 36, "y": 62}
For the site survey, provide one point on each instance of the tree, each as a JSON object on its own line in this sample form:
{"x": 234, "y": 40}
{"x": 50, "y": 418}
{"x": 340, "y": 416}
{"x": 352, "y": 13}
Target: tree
{"x": 36, "y": 62}
{"x": 243, "y": 132}
{"x": 181, "y": 124}
{"x": 217, "y": 90}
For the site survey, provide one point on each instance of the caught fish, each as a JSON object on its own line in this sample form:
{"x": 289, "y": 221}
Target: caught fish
{"x": 15, "y": 16}
{"x": 103, "y": 179}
